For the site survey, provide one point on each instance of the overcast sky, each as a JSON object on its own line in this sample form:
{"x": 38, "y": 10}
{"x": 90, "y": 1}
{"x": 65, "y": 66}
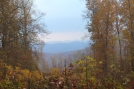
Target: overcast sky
{"x": 63, "y": 19}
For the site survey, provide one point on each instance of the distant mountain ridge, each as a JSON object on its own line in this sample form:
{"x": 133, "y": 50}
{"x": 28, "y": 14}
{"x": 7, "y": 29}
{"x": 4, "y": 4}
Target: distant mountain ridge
{"x": 60, "y": 47}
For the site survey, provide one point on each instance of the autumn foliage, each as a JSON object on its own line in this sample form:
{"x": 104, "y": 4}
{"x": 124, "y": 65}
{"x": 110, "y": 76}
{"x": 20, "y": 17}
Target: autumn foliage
{"x": 108, "y": 65}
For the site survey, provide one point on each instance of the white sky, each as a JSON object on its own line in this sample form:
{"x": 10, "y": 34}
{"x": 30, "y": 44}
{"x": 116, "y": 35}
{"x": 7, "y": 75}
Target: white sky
{"x": 63, "y": 36}
{"x": 63, "y": 19}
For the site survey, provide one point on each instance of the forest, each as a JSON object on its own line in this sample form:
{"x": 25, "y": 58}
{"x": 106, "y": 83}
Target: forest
{"x": 109, "y": 63}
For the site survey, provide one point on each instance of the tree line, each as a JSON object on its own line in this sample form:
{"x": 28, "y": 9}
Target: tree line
{"x": 111, "y": 26}
{"x": 20, "y": 26}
